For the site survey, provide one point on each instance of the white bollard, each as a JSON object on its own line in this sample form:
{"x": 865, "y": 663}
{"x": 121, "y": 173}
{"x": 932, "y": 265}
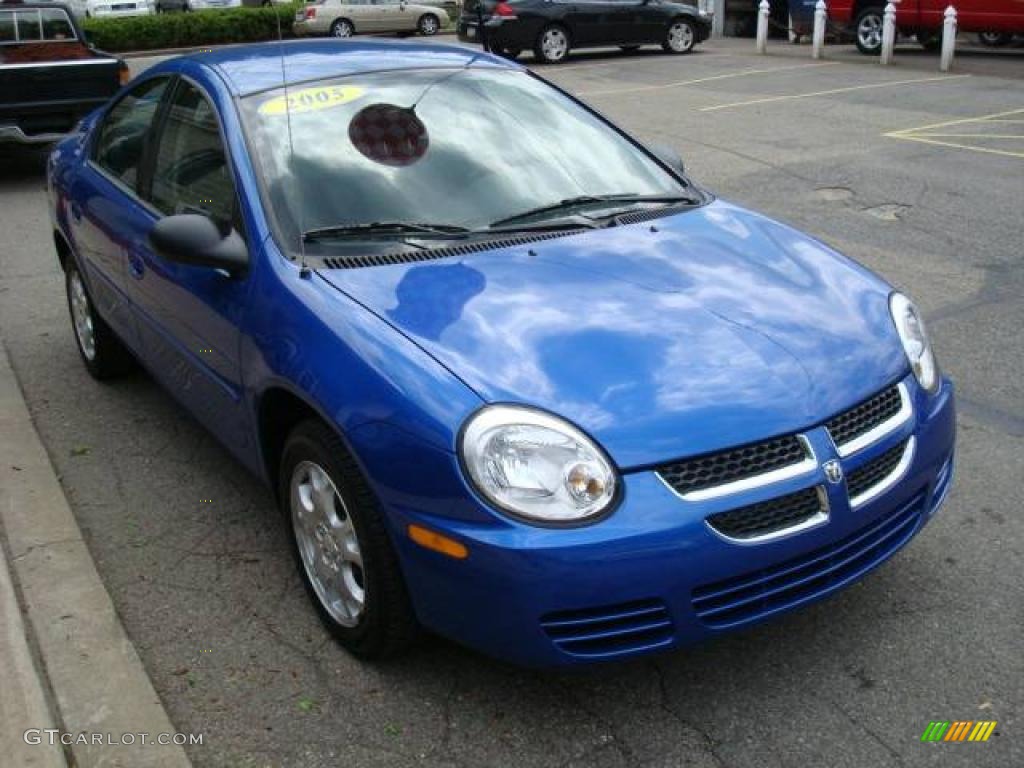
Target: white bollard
{"x": 818, "y": 37}
{"x": 948, "y": 39}
{"x": 762, "y": 26}
{"x": 888, "y": 33}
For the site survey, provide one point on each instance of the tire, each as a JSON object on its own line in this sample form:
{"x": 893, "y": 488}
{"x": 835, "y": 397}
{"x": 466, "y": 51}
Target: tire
{"x": 930, "y": 41}
{"x": 867, "y": 31}
{"x": 342, "y": 28}
{"x": 428, "y": 25}
{"x": 104, "y": 355}
{"x": 553, "y": 44}
{"x": 680, "y": 37}
{"x": 509, "y": 53}
{"x": 372, "y": 617}
{"x": 995, "y": 39}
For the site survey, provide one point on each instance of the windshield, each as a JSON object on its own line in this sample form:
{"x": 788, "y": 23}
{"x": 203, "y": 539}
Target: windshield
{"x": 439, "y": 148}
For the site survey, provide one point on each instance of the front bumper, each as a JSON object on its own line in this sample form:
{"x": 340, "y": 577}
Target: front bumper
{"x": 654, "y": 575}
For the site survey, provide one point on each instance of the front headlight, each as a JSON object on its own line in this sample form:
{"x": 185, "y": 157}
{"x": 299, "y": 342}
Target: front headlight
{"x": 536, "y": 466}
{"x": 910, "y": 327}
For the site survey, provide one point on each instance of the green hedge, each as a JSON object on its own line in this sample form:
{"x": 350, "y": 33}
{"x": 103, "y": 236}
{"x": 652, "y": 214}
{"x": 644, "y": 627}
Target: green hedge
{"x": 187, "y": 30}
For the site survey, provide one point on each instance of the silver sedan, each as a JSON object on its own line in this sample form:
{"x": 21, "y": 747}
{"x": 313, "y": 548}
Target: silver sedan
{"x": 344, "y": 18}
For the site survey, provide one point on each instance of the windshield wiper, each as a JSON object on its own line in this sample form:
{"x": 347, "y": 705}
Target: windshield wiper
{"x": 591, "y": 200}
{"x": 382, "y": 229}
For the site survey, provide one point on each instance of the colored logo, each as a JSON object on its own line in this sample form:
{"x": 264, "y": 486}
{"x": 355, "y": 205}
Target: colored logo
{"x": 833, "y": 471}
{"x": 958, "y": 730}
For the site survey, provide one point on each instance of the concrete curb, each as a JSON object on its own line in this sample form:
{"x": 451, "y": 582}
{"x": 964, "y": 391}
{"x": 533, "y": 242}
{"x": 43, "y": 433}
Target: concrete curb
{"x": 98, "y": 682}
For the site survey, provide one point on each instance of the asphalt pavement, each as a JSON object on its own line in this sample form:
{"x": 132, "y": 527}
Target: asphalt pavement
{"x": 916, "y": 174}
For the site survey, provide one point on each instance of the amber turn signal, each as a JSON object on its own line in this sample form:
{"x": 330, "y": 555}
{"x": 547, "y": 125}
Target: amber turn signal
{"x": 435, "y": 541}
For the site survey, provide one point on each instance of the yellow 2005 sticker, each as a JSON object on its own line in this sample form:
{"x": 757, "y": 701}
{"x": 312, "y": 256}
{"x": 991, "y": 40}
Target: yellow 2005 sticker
{"x": 311, "y": 99}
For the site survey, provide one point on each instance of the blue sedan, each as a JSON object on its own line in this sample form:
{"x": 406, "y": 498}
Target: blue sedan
{"x": 513, "y": 377}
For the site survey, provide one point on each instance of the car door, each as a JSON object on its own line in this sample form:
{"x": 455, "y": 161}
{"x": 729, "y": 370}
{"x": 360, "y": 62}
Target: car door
{"x": 598, "y": 22}
{"x": 650, "y": 20}
{"x": 366, "y": 15}
{"x": 189, "y": 317}
{"x": 106, "y": 213}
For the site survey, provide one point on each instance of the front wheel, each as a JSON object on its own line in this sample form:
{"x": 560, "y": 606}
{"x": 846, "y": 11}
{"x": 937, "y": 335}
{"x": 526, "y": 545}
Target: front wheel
{"x": 342, "y": 28}
{"x": 869, "y": 31}
{"x": 102, "y": 352}
{"x": 341, "y": 545}
{"x": 994, "y": 39}
{"x": 552, "y": 46}
{"x": 930, "y": 41}
{"x": 680, "y": 37}
{"x": 428, "y": 25}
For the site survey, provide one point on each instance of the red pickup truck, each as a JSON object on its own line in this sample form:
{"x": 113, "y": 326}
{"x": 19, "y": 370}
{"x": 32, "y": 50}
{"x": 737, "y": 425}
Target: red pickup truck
{"x": 924, "y": 19}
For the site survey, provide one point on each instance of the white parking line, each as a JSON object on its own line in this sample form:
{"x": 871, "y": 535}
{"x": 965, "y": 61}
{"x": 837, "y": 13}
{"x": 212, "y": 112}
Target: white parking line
{"x": 708, "y": 79}
{"x": 847, "y": 89}
{"x": 548, "y": 71}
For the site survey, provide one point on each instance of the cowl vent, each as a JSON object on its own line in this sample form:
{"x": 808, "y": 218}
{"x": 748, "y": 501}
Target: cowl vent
{"x": 430, "y": 254}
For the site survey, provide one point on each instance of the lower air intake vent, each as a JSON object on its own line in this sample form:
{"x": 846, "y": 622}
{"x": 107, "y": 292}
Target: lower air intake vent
{"x": 771, "y": 516}
{"x": 760, "y": 593}
{"x": 610, "y": 630}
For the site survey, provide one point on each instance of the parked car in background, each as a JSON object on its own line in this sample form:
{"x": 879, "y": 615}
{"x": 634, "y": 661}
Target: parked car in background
{"x": 102, "y": 9}
{"x": 923, "y": 18}
{"x": 551, "y": 28}
{"x": 344, "y": 18}
{"x": 206, "y": 5}
{"x": 49, "y": 76}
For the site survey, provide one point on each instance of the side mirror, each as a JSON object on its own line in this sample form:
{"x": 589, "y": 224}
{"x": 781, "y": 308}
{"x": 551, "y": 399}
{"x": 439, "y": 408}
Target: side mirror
{"x": 669, "y": 157}
{"x": 196, "y": 240}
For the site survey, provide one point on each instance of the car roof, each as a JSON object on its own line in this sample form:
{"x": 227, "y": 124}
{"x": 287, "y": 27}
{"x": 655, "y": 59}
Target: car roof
{"x": 257, "y": 67}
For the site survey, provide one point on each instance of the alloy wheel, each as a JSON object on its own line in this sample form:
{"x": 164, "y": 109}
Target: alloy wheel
{"x": 328, "y": 543}
{"x": 81, "y": 317}
{"x": 680, "y": 37}
{"x": 428, "y": 25}
{"x": 869, "y": 31}
{"x": 555, "y": 44}
{"x": 341, "y": 29}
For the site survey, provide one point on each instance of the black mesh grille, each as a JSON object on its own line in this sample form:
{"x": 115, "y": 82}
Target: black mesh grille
{"x": 428, "y": 254}
{"x": 768, "y": 516}
{"x": 876, "y": 470}
{"x": 865, "y": 416}
{"x": 734, "y": 464}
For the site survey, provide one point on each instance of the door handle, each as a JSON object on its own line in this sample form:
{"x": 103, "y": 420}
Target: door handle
{"x": 136, "y": 266}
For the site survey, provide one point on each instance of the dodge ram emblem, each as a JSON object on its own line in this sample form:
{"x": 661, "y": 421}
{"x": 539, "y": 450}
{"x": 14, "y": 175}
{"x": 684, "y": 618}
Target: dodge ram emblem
{"x": 833, "y": 471}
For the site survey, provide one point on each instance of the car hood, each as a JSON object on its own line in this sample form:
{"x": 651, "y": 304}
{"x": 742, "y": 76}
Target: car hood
{"x": 663, "y": 339}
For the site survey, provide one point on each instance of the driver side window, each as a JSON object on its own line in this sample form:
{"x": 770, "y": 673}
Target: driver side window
{"x": 122, "y": 137}
{"x": 191, "y": 173}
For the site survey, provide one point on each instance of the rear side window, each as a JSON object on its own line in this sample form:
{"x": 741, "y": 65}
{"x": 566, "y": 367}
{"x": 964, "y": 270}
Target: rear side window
{"x": 34, "y": 25}
{"x": 191, "y": 172}
{"x": 56, "y": 25}
{"x": 125, "y": 130}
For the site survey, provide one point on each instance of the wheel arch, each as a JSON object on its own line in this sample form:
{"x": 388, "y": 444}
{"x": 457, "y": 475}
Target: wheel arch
{"x": 63, "y": 248}
{"x": 278, "y": 411}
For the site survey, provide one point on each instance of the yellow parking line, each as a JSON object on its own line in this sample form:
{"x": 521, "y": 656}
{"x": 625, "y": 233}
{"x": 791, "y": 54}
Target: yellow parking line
{"x": 961, "y": 121}
{"x": 986, "y": 150}
{"x": 848, "y": 89}
{"x": 708, "y": 79}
